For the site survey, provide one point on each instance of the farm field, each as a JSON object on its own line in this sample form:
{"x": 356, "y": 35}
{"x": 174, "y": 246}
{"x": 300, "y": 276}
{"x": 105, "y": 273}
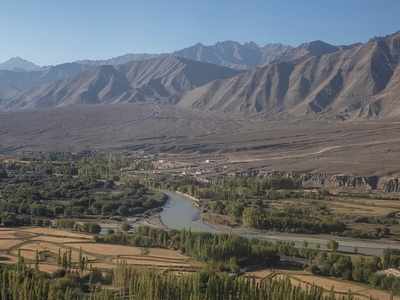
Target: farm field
{"x": 347, "y": 206}
{"x": 341, "y": 287}
{"x": 48, "y": 243}
{"x": 349, "y": 210}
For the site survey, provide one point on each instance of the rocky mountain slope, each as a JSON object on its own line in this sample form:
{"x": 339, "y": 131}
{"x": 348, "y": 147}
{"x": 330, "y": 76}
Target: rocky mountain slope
{"x": 314, "y": 79}
{"x": 13, "y": 83}
{"x": 250, "y": 55}
{"x": 18, "y": 76}
{"x": 227, "y": 53}
{"x": 160, "y": 80}
{"x": 362, "y": 80}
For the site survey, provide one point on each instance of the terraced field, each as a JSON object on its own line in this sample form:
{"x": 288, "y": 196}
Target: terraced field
{"x": 340, "y": 287}
{"x": 50, "y": 242}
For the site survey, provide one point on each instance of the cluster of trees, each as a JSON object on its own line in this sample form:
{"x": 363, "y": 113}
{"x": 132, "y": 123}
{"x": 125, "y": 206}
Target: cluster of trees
{"x": 52, "y": 189}
{"x": 149, "y": 285}
{"x": 88, "y": 227}
{"x": 361, "y": 269}
{"x": 3, "y": 173}
{"x": 237, "y": 188}
{"x": 377, "y": 233}
{"x": 230, "y": 253}
{"x": 386, "y": 220}
{"x": 247, "y": 200}
{"x": 131, "y": 283}
{"x": 64, "y": 260}
{"x": 227, "y": 252}
{"x": 391, "y": 258}
{"x": 255, "y": 218}
{"x": 30, "y": 284}
{"x": 238, "y": 197}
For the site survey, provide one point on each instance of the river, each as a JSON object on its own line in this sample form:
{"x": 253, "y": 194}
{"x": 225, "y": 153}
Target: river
{"x": 180, "y": 213}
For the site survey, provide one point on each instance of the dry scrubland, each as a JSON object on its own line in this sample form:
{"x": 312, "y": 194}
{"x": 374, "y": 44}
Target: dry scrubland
{"x": 351, "y": 147}
{"x": 341, "y": 287}
{"x": 48, "y": 242}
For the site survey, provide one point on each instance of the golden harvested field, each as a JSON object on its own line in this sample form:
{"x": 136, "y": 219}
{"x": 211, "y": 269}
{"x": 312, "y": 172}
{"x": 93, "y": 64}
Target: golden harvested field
{"x": 359, "y": 209}
{"x": 264, "y": 273}
{"x": 341, "y": 286}
{"x": 305, "y": 279}
{"x": 7, "y": 244}
{"x": 48, "y": 268}
{"x": 165, "y": 253}
{"x": 149, "y": 261}
{"x": 48, "y": 242}
{"x": 8, "y": 259}
{"x": 28, "y": 250}
{"x": 395, "y": 204}
{"x": 12, "y": 234}
{"x": 56, "y": 232}
{"x": 107, "y": 249}
{"x": 61, "y": 240}
{"x": 346, "y": 206}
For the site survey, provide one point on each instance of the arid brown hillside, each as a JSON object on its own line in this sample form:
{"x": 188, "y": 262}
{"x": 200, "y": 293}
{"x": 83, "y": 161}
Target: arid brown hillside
{"x": 160, "y": 80}
{"x": 356, "y": 81}
{"x": 13, "y": 83}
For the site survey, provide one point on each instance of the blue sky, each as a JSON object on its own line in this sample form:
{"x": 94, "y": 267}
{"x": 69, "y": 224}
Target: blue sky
{"x": 55, "y": 31}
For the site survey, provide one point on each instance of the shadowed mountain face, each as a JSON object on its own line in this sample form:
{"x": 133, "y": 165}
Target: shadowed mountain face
{"x": 358, "y": 81}
{"x": 160, "y": 80}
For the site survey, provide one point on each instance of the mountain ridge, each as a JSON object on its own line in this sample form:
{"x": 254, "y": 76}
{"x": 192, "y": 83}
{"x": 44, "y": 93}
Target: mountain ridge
{"x": 344, "y": 81}
{"x": 315, "y": 79}
{"x": 160, "y": 80}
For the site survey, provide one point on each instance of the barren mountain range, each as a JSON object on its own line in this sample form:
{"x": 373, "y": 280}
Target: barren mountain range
{"x": 313, "y": 108}
{"x": 159, "y": 80}
{"x": 358, "y": 81}
{"x": 314, "y": 79}
{"x": 14, "y": 83}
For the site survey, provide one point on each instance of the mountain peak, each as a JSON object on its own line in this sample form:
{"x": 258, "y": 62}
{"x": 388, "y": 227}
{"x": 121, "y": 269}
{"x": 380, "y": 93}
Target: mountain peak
{"x": 232, "y": 54}
{"x": 319, "y": 47}
{"x": 18, "y": 64}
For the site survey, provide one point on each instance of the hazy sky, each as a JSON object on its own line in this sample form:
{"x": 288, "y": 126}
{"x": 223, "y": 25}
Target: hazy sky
{"x": 54, "y": 31}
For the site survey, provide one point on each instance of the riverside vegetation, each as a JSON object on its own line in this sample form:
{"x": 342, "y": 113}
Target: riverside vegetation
{"x": 231, "y": 253}
{"x": 32, "y": 192}
{"x": 224, "y": 256}
{"x": 281, "y": 203}
{"x": 55, "y": 188}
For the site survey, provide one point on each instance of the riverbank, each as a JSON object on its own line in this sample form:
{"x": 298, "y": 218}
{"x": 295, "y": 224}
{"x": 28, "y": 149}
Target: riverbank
{"x": 194, "y": 199}
{"x": 180, "y": 213}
